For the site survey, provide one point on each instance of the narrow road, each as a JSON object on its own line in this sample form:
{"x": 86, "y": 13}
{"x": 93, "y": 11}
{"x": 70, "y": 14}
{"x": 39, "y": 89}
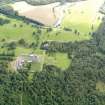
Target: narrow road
{"x": 62, "y": 9}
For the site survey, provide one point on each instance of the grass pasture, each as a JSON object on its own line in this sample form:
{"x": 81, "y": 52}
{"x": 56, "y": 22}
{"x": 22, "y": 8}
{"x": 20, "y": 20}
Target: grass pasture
{"x": 16, "y": 30}
{"x": 65, "y": 36}
{"x": 82, "y": 17}
{"x": 100, "y": 86}
{"x": 75, "y": 19}
{"x": 58, "y": 59}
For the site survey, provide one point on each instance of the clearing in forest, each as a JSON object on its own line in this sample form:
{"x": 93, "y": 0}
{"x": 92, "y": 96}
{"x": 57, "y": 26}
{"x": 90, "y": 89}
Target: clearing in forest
{"x": 100, "y": 86}
{"x": 59, "y": 60}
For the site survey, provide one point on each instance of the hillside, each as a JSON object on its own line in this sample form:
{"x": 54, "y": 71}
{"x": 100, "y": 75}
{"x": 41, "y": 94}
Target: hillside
{"x": 52, "y": 64}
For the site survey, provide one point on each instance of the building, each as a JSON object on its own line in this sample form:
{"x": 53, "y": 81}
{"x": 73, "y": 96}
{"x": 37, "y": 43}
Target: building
{"x": 31, "y": 58}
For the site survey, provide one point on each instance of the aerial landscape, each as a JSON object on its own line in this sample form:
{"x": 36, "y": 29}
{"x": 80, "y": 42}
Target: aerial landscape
{"x": 52, "y": 52}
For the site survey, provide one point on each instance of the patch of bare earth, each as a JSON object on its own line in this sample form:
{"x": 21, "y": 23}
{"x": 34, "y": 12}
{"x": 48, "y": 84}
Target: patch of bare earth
{"x": 43, "y": 13}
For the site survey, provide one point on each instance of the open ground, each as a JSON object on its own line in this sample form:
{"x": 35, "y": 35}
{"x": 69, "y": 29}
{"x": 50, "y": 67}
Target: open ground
{"x": 74, "y": 27}
{"x": 45, "y": 14}
{"x": 75, "y": 21}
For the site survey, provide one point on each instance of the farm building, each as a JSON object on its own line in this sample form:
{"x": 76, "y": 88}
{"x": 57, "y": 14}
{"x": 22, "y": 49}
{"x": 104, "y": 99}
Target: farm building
{"x": 20, "y": 61}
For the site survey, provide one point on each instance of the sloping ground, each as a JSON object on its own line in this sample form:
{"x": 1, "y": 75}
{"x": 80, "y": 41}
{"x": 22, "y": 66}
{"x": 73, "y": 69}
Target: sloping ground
{"x": 44, "y": 14}
{"x": 83, "y": 15}
{"x": 81, "y": 20}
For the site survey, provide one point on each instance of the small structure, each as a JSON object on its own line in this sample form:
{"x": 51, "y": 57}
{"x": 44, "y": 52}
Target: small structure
{"x": 33, "y": 58}
{"x": 45, "y": 46}
{"x": 19, "y": 63}
{"x": 58, "y": 23}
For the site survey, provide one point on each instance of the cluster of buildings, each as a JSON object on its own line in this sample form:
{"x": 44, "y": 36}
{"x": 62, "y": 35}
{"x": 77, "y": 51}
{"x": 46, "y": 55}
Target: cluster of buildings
{"x": 32, "y": 58}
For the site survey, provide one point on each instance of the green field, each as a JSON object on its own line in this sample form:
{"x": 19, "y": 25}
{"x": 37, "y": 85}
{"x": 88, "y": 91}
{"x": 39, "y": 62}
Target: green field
{"x": 100, "y": 86}
{"x": 58, "y": 59}
{"x": 75, "y": 20}
{"x": 14, "y": 31}
{"x": 64, "y": 36}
